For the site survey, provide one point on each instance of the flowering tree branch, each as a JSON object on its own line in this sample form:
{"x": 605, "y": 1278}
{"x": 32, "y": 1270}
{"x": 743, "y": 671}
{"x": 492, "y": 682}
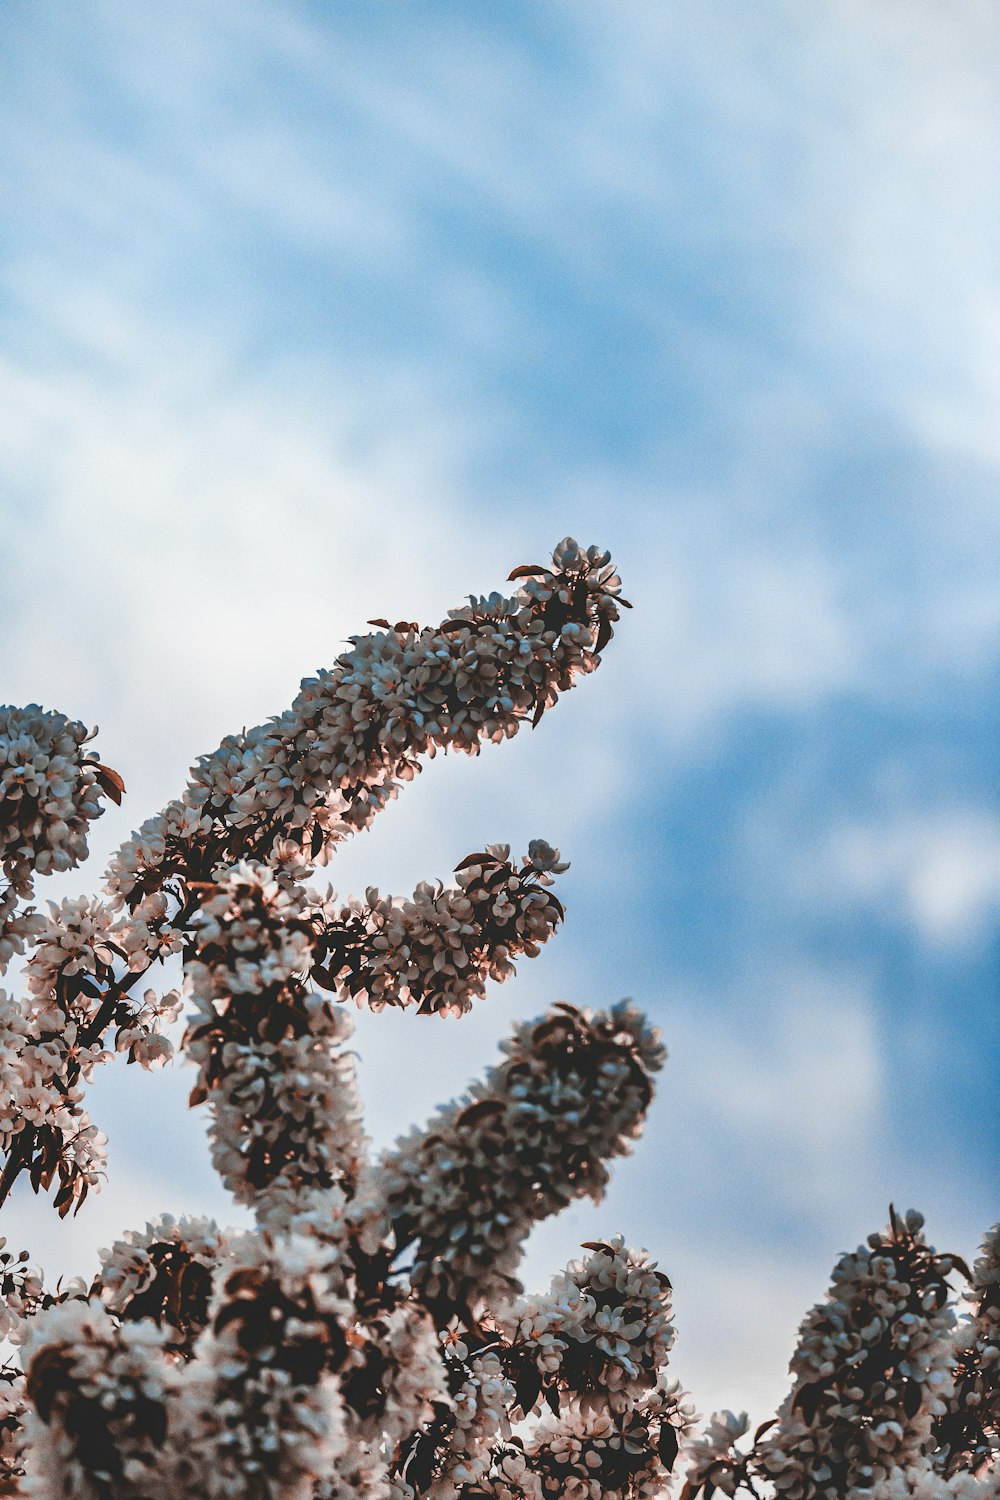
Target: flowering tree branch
{"x": 368, "y": 1338}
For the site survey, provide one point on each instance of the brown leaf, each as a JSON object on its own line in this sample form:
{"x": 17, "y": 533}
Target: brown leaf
{"x": 529, "y": 570}
{"x": 109, "y": 781}
{"x": 475, "y": 859}
{"x": 476, "y": 1113}
{"x": 324, "y": 979}
{"x": 384, "y": 623}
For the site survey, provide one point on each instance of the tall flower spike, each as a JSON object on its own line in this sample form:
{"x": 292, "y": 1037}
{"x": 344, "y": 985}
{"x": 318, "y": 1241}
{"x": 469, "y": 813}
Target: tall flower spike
{"x": 536, "y": 1133}
{"x": 99, "y": 1393}
{"x": 324, "y": 768}
{"x": 436, "y": 950}
{"x": 259, "y": 1412}
{"x": 270, "y": 1053}
{"x": 968, "y": 1434}
{"x": 872, "y": 1371}
{"x": 50, "y": 790}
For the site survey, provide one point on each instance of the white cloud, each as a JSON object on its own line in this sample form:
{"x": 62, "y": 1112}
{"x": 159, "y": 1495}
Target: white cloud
{"x": 938, "y": 871}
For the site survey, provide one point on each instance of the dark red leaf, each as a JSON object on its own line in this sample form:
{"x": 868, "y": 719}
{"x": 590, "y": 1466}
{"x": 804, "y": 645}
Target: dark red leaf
{"x": 529, "y": 570}
{"x": 109, "y": 781}
{"x": 324, "y": 979}
{"x": 476, "y": 1113}
{"x": 475, "y": 859}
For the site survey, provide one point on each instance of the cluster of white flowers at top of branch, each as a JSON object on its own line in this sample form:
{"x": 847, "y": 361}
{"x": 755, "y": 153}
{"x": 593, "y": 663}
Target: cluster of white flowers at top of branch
{"x": 872, "y": 1368}
{"x": 584, "y": 1366}
{"x": 968, "y": 1433}
{"x": 874, "y": 1412}
{"x": 323, "y": 769}
{"x": 602, "y": 1333}
{"x": 50, "y": 791}
{"x": 463, "y": 1192}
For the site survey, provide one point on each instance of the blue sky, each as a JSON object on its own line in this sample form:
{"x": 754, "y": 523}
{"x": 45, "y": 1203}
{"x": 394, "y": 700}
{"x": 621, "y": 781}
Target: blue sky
{"x": 315, "y": 312}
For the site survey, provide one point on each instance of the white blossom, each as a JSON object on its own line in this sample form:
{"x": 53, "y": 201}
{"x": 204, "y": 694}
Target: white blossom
{"x": 536, "y": 1133}
{"x": 873, "y": 1370}
{"x": 98, "y": 1391}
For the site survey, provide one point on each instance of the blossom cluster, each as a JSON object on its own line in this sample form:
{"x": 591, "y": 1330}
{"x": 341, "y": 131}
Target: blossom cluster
{"x": 43, "y": 1122}
{"x": 324, "y": 768}
{"x": 922, "y": 1481}
{"x": 269, "y": 1051}
{"x": 536, "y": 1133}
{"x": 472, "y": 1423}
{"x": 589, "y": 1453}
{"x": 259, "y": 1411}
{"x": 968, "y": 1434}
{"x": 50, "y": 790}
{"x": 54, "y": 1038}
{"x": 436, "y": 950}
{"x": 165, "y": 1273}
{"x": 97, "y": 1391}
{"x": 602, "y": 1332}
{"x": 873, "y": 1371}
